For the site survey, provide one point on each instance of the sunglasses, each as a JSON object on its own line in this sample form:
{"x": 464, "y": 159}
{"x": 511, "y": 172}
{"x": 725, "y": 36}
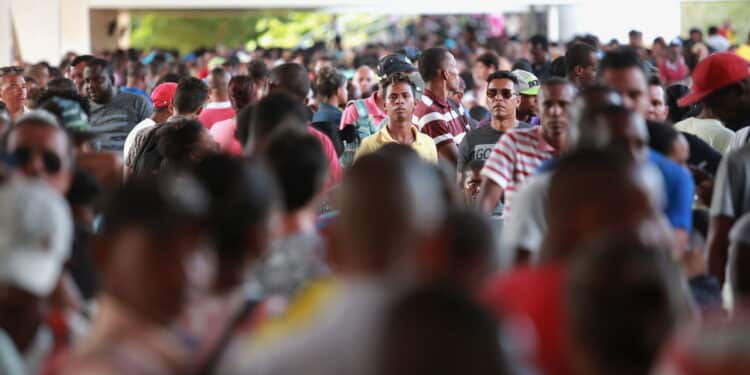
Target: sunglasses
{"x": 52, "y": 162}
{"x": 10, "y": 70}
{"x": 505, "y": 93}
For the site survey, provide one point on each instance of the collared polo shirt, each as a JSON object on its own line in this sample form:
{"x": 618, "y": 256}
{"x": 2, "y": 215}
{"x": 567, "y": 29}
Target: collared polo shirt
{"x": 215, "y": 112}
{"x": 436, "y": 118}
{"x": 515, "y": 157}
{"x": 350, "y": 116}
{"x": 422, "y": 145}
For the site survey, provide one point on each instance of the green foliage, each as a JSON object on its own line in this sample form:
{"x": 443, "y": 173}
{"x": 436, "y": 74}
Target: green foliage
{"x": 713, "y": 13}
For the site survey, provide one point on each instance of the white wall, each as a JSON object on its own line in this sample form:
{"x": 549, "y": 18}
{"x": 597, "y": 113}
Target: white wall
{"x": 6, "y": 36}
{"x": 47, "y": 29}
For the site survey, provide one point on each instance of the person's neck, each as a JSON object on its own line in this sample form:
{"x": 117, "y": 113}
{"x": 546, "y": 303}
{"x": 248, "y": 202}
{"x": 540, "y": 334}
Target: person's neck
{"x": 438, "y": 89}
{"x": 160, "y": 117}
{"x": 299, "y": 221}
{"x": 401, "y": 131}
{"x": 14, "y": 115}
{"x": 332, "y": 101}
{"x": 220, "y": 98}
{"x": 560, "y": 143}
{"x": 502, "y": 125}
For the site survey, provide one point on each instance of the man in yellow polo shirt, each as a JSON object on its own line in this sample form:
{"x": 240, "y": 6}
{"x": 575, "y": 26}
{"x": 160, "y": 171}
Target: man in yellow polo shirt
{"x": 399, "y": 106}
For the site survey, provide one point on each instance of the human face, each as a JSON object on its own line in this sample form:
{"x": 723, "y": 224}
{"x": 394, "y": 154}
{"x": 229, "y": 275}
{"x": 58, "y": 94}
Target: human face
{"x": 587, "y": 73}
{"x": 538, "y": 54}
{"x": 554, "y": 105}
{"x": 657, "y": 110}
{"x": 481, "y": 72}
{"x": 13, "y": 92}
{"x": 630, "y": 83}
{"x": 529, "y": 107}
{"x": 502, "y": 108}
{"x": 364, "y": 80}
{"x": 472, "y": 181}
{"x": 41, "y": 75}
{"x": 97, "y": 84}
{"x": 680, "y": 152}
{"x": 75, "y": 73}
{"x": 450, "y": 73}
{"x": 399, "y": 102}
{"x": 630, "y": 135}
{"x": 41, "y": 151}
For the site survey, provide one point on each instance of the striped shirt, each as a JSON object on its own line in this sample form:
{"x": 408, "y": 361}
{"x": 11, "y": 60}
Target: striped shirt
{"x": 515, "y": 157}
{"x": 437, "y": 118}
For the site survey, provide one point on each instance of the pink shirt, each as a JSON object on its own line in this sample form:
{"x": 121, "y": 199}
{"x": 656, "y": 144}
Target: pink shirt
{"x": 215, "y": 112}
{"x": 223, "y": 134}
{"x": 334, "y": 168}
{"x": 350, "y": 115}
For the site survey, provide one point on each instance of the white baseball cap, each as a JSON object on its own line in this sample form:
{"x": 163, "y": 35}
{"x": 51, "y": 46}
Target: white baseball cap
{"x": 36, "y": 234}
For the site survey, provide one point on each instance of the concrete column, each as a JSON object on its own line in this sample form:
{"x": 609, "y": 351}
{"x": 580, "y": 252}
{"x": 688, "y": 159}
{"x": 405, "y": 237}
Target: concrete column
{"x": 75, "y": 26}
{"x": 6, "y": 34}
{"x": 37, "y": 25}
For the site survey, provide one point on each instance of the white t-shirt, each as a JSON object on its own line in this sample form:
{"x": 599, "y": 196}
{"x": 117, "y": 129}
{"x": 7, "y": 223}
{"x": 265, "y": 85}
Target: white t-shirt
{"x": 130, "y": 139}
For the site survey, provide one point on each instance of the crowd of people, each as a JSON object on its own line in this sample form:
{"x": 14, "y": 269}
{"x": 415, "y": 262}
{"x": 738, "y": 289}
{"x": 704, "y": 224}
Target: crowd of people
{"x": 469, "y": 205}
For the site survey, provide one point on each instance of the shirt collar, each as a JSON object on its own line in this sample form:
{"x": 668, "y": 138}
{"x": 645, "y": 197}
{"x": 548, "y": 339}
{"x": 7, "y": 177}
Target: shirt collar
{"x": 384, "y": 136}
{"x": 431, "y": 96}
{"x": 219, "y": 105}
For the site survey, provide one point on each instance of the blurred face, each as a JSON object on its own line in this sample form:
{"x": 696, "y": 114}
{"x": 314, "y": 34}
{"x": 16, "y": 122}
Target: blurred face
{"x": 528, "y": 107}
{"x": 364, "y": 80}
{"x": 41, "y": 151}
{"x": 472, "y": 181}
{"x": 538, "y": 54}
{"x": 629, "y": 135}
{"x": 657, "y": 110}
{"x": 97, "y": 84}
{"x": 630, "y": 83}
{"x": 450, "y": 73}
{"x": 587, "y": 74}
{"x": 399, "y": 102}
{"x": 13, "y": 92}
{"x": 21, "y": 314}
{"x": 554, "y": 107}
{"x": 481, "y": 72}
{"x": 674, "y": 52}
{"x": 502, "y": 99}
{"x": 75, "y": 73}
{"x": 41, "y": 75}
{"x": 149, "y": 273}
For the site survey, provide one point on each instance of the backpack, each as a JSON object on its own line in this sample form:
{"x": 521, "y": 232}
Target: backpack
{"x": 365, "y": 125}
{"x": 148, "y": 159}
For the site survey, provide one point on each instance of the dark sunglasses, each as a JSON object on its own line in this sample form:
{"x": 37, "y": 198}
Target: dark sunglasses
{"x": 52, "y": 162}
{"x": 10, "y": 70}
{"x": 505, "y": 93}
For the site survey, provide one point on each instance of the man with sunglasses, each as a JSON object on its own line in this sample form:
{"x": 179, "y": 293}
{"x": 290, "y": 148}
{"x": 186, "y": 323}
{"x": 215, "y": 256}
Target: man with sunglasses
{"x": 433, "y": 114}
{"x": 13, "y": 90}
{"x": 519, "y": 152}
{"x": 41, "y": 149}
{"x": 503, "y": 101}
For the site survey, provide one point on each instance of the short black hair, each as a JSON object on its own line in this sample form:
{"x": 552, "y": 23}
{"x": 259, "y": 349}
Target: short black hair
{"x": 242, "y": 195}
{"x": 257, "y": 70}
{"x": 328, "y": 81}
{"x": 712, "y": 30}
{"x": 661, "y": 137}
{"x": 539, "y": 40}
{"x": 673, "y": 93}
{"x": 522, "y": 64}
{"x": 105, "y": 67}
{"x": 81, "y": 59}
{"x": 241, "y": 90}
{"x": 274, "y": 112}
{"x": 489, "y": 59}
{"x": 190, "y": 95}
{"x": 297, "y": 161}
{"x": 178, "y": 141}
{"x": 558, "y": 68}
{"x": 292, "y": 78}
{"x": 61, "y": 85}
{"x": 136, "y": 69}
{"x": 169, "y": 77}
{"x": 622, "y": 58}
{"x": 84, "y": 189}
{"x": 398, "y": 78}
{"x": 654, "y": 80}
{"x": 578, "y": 54}
{"x": 633, "y": 33}
{"x": 503, "y": 74}
{"x": 432, "y": 62}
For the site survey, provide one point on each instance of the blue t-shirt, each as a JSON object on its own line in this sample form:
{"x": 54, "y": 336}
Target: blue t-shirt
{"x": 679, "y": 190}
{"x": 327, "y": 113}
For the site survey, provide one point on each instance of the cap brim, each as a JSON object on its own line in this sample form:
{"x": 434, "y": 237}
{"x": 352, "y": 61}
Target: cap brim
{"x": 531, "y": 91}
{"x": 692, "y": 98}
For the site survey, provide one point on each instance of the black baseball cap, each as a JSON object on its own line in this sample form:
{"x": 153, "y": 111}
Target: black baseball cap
{"x": 395, "y": 63}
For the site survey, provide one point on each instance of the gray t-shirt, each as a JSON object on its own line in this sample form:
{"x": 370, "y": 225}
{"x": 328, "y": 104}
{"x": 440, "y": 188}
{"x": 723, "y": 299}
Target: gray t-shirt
{"x": 731, "y": 196}
{"x": 478, "y": 143}
{"x": 114, "y": 120}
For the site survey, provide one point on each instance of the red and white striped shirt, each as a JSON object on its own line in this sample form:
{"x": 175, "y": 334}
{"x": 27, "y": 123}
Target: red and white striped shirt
{"x": 436, "y": 118}
{"x": 515, "y": 157}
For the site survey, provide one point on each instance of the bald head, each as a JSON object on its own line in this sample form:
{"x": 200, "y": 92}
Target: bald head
{"x": 592, "y": 193}
{"x": 404, "y": 205}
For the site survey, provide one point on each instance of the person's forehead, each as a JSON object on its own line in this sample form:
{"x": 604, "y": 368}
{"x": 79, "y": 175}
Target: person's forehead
{"x": 10, "y": 79}
{"x": 632, "y": 76}
{"x": 35, "y": 132}
{"x": 93, "y": 70}
{"x": 561, "y": 92}
{"x": 501, "y": 83}
{"x": 399, "y": 87}
{"x": 656, "y": 91}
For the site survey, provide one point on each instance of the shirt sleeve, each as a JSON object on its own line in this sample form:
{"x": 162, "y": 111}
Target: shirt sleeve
{"x": 435, "y": 126}
{"x": 145, "y": 109}
{"x": 681, "y": 193}
{"x": 464, "y": 154}
{"x": 367, "y": 147}
{"x": 728, "y": 188}
{"x": 499, "y": 166}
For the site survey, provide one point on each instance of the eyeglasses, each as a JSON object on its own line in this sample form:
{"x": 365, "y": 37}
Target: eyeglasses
{"x": 505, "y": 93}
{"x": 52, "y": 162}
{"x": 10, "y": 70}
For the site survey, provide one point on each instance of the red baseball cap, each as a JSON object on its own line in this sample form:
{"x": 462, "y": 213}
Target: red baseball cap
{"x": 163, "y": 94}
{"x": 715, "y": 72}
